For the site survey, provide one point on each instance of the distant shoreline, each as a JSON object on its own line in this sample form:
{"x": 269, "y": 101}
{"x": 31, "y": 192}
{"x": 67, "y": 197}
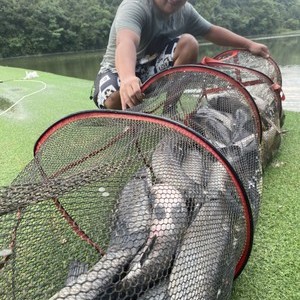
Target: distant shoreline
{"x": 257, "y": 37}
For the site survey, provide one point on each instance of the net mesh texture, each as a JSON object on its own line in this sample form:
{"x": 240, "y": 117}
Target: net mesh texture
{"x": 157, "y": 202}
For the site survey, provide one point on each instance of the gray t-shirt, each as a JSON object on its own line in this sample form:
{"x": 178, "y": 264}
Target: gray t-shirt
{"x": 154, "y": 28}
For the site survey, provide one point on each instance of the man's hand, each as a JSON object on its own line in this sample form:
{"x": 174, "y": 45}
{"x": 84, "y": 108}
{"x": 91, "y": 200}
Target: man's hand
{"x": 130, "y": 92}
{"x": 224, "y": 37}
{"x": 259, "y": 49}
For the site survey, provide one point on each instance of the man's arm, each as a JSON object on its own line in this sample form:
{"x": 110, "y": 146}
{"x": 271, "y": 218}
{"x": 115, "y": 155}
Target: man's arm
{"x": 224, "y": 37}
{"x": 130, "y": 91}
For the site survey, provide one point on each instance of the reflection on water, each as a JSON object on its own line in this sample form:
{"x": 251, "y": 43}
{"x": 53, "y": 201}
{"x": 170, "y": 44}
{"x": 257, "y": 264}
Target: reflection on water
{"x": 291, "y": 87}
{"x": 285, "y": 50}
{"x": 79, "y": 65}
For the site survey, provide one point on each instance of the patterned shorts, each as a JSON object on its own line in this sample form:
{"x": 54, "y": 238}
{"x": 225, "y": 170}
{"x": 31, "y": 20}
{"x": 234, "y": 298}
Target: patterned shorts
{"x": 108, "y": 82}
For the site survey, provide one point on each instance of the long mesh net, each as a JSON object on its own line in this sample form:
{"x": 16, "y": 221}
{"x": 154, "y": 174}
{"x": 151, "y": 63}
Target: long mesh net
{"x": 220, "y": 109}
{"x": 268, "y": 100}
{"x": 126, "y": 215}
{"x": 245, "y": 58}
{"x": 157, "y": 202}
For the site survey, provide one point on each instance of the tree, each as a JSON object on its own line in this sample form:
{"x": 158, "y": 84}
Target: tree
{"x": 41, "y": 26}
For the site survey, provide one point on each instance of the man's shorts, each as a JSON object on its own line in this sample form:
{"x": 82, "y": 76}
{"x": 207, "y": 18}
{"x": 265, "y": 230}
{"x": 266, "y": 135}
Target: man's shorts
{"x": 108, "y": 82}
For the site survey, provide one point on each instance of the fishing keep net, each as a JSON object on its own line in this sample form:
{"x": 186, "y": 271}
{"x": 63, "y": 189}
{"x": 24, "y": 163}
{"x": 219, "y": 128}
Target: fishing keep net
{"x": 242, "y": 57}
{"x": 219, "y": 108}
{"x": 126, "y": 205}
{"x": 267, "y": 97}
{"x": 157, "y": 202}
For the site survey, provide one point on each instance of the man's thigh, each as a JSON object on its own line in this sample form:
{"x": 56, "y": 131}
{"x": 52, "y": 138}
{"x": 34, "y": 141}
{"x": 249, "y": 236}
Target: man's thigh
{"x": 162, "y": 61}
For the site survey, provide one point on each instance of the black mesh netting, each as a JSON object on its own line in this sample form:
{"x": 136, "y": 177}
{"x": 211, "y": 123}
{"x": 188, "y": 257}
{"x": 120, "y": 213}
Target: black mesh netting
{"x": 158, "y": 202}
{"x": 220, "y": 109}
{"x": 156, "y": 206}
{"x": 245, "y": 58}
{"x": 268, "y": 100}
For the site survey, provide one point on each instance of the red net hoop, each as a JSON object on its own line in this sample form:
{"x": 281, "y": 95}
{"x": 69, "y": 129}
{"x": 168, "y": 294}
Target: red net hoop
{"x": 149, "y": 155}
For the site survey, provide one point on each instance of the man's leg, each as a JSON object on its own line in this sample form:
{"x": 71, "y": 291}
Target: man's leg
{"x": 183, "y": 50}
{"x": 186, "y": 51}
{"x": 108, "y": 95}
{"x": 179, "y": 51}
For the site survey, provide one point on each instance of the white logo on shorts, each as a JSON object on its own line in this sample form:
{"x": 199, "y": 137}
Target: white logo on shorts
{"x": 163, "y": 63}
{"x": 104, "y": 79}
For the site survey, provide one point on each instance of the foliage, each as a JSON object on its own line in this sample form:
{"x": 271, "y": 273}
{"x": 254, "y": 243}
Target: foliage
{"x": 39, "y": 27}
{"x": 254, "y": 17}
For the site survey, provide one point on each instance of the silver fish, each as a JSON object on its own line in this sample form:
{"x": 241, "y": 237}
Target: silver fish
{"x": 267, "y": 110}
{"x": 134, "y": 210}
{"x": 158, "y": 292}
{"x": 225, "y": 102}
{"x": 216, "y": 126}
{"x": 271, "y": 141}
{"x": 130, "y": 232}
{"x": 261, "y": 104}
{"x": 217, "y": 183}
{"x": 75, "y": 270}
{"x": 242, "y": 126}
{"x": 198, "y": 271}
{"x": 169, "y": 164}
{"x": 192, "y": 165}
{"x": 153, "y": 262}
{"x": 220, "y": 187}
{"x": 88, "y": 285}
{"x": 210, "y": 228}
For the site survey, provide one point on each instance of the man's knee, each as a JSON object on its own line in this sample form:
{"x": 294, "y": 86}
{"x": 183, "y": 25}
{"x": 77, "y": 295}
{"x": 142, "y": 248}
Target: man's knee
{"x": 187, "y": 49}
{"x": 113, "y": 101}
{"x": 188, "y": 40}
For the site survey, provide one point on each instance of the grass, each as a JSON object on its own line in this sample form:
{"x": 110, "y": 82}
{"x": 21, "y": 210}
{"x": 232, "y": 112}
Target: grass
{"x": 273, "y": 270}
{"x": 21, "y": 126}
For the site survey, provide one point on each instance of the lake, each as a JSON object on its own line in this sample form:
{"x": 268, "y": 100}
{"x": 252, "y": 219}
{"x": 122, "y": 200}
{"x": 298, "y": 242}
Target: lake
{"x": 285, "y": 50}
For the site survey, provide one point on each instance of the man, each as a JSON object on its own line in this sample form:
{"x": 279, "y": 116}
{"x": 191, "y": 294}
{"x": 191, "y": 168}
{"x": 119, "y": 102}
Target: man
{"x": 148, "y": 36}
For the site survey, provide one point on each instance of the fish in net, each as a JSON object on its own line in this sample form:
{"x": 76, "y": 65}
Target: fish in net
{"x": 130, "y": 207}
{"x": 157, "y": 202}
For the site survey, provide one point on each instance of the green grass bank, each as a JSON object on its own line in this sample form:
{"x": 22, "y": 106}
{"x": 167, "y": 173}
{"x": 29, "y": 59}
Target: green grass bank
{"x": 30, "y": 106}
{"x": 41, "y": 101}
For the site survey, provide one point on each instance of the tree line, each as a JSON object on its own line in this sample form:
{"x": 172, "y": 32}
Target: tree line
{"x": 42, "y": 26}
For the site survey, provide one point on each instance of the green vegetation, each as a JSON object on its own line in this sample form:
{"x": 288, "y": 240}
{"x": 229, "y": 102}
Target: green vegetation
{"x": 39, "y": 27}
{"x": 252, "y": 17}
{"x": 21, "y": 126}
{"x": 273, "y": 270}
{"x": 36, "y": 27}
